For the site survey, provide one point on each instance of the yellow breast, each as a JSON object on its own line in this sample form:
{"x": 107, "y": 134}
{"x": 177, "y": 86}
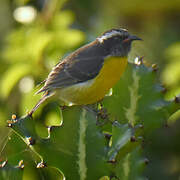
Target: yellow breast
{"x": 94, "y": 90}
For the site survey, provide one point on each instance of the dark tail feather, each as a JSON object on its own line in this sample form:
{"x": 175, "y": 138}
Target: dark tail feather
{"x": 42, "y": 82}
{"x": 42, "y": 89}
{"x": 44, "y": 97}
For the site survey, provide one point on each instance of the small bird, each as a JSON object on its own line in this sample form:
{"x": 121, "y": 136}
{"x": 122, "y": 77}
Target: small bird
{"x": 86, "y": 75}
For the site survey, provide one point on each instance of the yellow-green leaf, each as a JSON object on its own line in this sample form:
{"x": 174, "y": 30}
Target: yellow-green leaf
{"x": 12, "y": 76}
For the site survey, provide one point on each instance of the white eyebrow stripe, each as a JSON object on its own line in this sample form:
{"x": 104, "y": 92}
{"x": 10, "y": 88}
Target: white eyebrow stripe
{"x": 108, "y": 35}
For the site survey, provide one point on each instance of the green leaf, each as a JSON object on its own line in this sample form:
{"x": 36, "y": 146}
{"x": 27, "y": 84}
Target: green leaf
{"x": 121, "y": 135}
{"x": 138, "y": 98}
{"x": 24, "y": 127}
{"x": 9, "y": 172}
{"x": 171, "y": 74}
{"x": 12, "y": 76}
{"x": 61, "y": 150}
{"x": 62, "y": 20}
{"x": 95, "y": 147}
{"x": 54, "y": 116}
{"x": 50, "y": 172}
{"x": 27, "y": 44}
{"x": 78, "y": 147}
{"x": 78, "y": 143}
{"x": 131, "y": 166}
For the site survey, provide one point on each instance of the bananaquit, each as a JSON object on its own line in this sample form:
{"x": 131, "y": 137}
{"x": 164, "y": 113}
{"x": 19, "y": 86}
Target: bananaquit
{"x": 87, "y": 74}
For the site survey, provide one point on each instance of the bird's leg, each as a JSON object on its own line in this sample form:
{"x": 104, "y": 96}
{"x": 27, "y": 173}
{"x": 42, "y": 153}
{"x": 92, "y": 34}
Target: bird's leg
{"x": 91, "y": 109}
{"x": 100, "y": 113}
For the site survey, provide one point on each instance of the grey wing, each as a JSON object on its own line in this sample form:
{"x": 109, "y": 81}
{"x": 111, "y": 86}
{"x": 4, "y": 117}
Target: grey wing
{"x": 79, "y": 70}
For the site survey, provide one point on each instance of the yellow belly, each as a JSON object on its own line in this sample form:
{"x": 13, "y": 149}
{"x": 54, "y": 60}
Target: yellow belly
{"x": 94, "y": 90}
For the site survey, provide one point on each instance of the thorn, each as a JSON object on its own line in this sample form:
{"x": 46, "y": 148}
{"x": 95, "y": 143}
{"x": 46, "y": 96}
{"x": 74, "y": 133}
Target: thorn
{"x": 154, "y": 67}
{"x": 143, "y": 142}
{"x": 166, "y": 125}
{"x": 146, "y": 161}
{"x": 13, "y": 117}
{"x": 3, "y": 163}
{"x": 141, "y": 59}
{"x": 133, "y": 139}
{"x": 139, "y": 126}
{"x": 138, "y": 60}
{"x": 12, "y": 121}
{"x": 107, "y": 136}
{"x": 41, "y": 165}
{"x": 9, "y": 123}
{"x": 30, "y": 114}
{"x": 30, "y": 140}
{"x": 164, "y": 90}
{"x": 112, "y": 161}
{"x": 63, "y": 107}
{"x": 21, "y": 164}
{"x": 177, "y": 99}
{"x": 114, "y": 123}
{"x": 102, "y": 113}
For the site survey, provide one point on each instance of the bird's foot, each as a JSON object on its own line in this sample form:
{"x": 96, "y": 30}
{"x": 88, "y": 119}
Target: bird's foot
{"x": 100, "y": 112}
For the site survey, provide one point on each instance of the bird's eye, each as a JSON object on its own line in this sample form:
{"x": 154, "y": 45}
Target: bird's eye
{"x": 126, "y": 39}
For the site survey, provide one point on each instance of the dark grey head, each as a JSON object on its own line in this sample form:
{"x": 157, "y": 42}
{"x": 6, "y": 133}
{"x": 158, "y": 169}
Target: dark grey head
{"x": 117, "y": 41}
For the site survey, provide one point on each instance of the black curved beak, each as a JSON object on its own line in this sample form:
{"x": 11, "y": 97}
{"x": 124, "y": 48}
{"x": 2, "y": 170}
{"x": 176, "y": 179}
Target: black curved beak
{"x": 131, "y": 38}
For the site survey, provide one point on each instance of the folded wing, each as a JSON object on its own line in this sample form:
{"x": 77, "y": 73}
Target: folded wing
{"x": 67, "y": 73}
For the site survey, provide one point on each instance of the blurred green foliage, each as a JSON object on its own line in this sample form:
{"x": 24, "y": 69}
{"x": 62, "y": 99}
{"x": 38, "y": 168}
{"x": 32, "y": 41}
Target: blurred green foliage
{"x": 171, "y": 74}
{"x": 29, "y": 51}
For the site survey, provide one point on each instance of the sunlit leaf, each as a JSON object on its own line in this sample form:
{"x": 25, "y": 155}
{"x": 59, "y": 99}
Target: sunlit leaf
{"x": 54, "y": 117}
{"x": 63, "y": 20}
{"x": 27, "y": 45}
{"x": 12, "y": 76}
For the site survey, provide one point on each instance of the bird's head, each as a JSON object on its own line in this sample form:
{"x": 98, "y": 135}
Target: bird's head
{"x": 117, "y": 41}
